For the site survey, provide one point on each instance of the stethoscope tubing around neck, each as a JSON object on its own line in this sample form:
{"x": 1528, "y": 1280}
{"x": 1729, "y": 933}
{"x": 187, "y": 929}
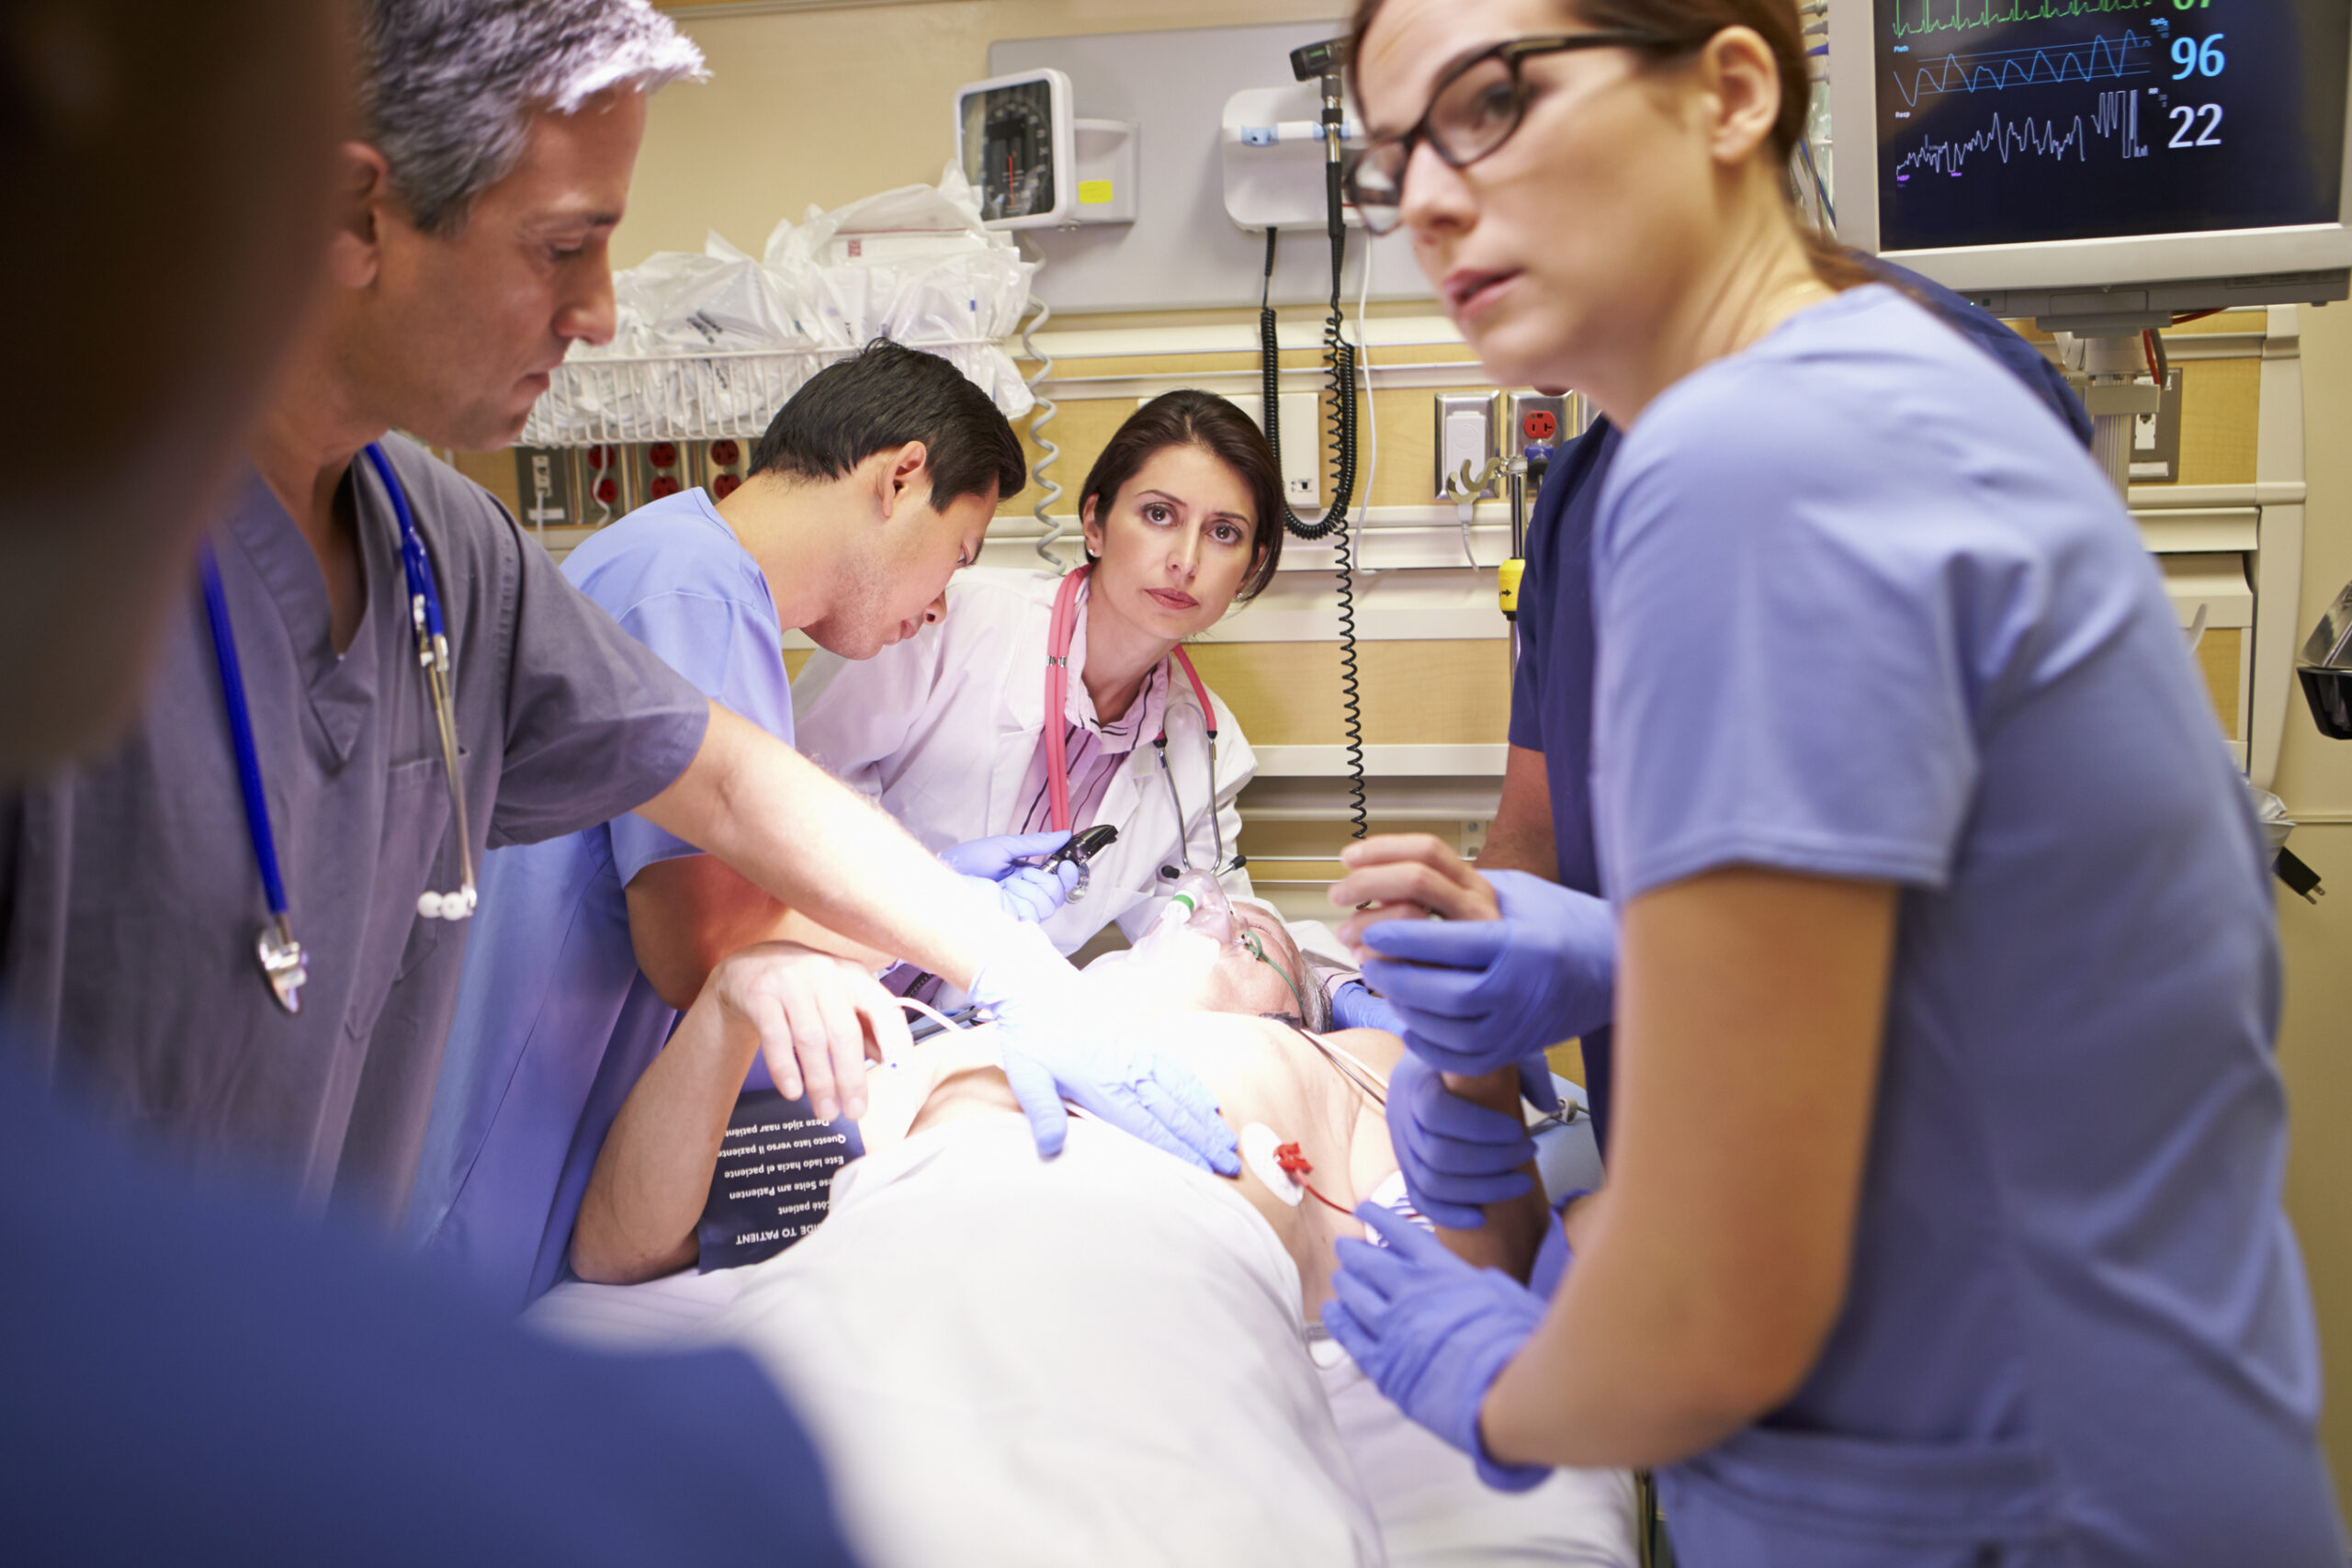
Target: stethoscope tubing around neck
{"x": 1061, "y": 632}
{"x": 240, "y": 731}
{"x": 282, "y": 959}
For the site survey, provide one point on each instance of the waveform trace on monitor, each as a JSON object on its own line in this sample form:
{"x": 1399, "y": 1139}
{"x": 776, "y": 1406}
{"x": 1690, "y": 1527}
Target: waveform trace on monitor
{"x": 2115, "y": 120}
{"x": 1969, "y": 15}
{"x": 2098, "y": 57}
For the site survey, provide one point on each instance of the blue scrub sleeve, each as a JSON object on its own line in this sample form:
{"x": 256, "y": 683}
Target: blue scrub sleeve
{"x": 595, "y": 724}
{"x": 736, "y": 658}
{"x": 1781, "y": 680}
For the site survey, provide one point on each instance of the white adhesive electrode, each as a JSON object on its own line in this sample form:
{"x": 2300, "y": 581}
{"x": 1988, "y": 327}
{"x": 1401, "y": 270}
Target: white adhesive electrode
{"x": 1257, "y": 1144}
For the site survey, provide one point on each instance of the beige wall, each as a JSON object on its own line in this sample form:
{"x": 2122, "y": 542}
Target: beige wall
{"x": 2315, "y": 781}
{"x": 825, "y": 106}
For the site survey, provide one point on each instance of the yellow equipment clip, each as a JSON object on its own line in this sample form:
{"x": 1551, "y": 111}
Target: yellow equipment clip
{"x": 1507, "y": 583}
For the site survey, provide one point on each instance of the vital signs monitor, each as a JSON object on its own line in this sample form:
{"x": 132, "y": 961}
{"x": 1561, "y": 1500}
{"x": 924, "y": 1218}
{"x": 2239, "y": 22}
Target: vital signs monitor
{"x": 2036, "y": 153}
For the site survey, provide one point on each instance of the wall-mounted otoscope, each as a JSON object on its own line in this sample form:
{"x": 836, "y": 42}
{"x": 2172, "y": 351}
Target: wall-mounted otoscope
{"x": 1323, "y": 63}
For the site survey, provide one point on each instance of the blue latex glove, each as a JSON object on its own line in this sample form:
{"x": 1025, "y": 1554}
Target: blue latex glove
{"x": 1052, "y": 1039}
{"x": 1480, "y": 995}
{"x": 1432, "y": 1332}
{"x": 1025, "y": 891}
{"x": 1553, "y": 1255}
{"x": 1354, "y": 1007}
{"x": 1457, "y": 1156}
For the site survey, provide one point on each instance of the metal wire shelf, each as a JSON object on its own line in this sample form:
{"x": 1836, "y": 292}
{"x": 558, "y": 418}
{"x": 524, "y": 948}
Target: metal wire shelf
{"x": 700, "y": 397}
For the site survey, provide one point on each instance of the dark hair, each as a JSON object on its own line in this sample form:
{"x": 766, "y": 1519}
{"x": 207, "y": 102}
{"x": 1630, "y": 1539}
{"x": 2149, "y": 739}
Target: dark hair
{"x": 1682, "y": 26}
{"x": 884, "y": 396}
{"x": 1188, "y": 418}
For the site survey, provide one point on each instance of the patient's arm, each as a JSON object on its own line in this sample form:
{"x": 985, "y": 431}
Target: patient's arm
{"x": 1513, "y": 1230}
{"x": 646, "y": 1191}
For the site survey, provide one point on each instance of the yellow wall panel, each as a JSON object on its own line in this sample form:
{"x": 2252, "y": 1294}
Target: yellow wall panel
{"x": 1429, "y": 693}
{"x": 2218, "y": 655}
{"x": 1405, "y": 475}
{"x": 2221, "y": 401}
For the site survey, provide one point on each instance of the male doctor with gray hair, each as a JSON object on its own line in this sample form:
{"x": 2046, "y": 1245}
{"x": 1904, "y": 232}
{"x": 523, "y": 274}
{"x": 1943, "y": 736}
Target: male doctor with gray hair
{"x": 467, "y": 254}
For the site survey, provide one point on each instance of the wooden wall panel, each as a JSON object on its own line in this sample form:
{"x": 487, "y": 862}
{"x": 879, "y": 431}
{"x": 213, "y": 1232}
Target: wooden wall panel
{"x": 1405, "y": 474}
{"x": 2220, "y": 402}
{"x": 1437, "y": 692}
{"x": 2218, "y": 655}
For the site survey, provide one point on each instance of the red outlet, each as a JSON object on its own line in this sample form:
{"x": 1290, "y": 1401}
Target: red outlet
{"x": 608, "y": 492}
{"x": 599, "y": 458}
{"x": 724, "y": 486}
{"x": 725, "y": 454}
{"x": 1538, "y": 426}
{"x": 663, "y": 485}
{"x": 662, "y": 454}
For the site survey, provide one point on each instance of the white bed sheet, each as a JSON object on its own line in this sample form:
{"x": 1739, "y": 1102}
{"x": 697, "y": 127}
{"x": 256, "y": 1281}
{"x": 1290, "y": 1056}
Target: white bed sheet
{"x": 1238, "y": 1434}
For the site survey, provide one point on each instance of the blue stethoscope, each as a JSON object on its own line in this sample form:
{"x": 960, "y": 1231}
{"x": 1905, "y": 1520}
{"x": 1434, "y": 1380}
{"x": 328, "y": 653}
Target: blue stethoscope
{"x": 282, "y": 962}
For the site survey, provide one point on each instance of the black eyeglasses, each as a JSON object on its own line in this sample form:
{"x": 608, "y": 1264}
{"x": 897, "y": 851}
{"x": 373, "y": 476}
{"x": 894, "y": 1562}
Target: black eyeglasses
{"x": 1477, "y": 106}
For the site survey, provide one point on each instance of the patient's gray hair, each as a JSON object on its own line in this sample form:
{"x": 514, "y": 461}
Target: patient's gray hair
{"x": 448, "y": 87}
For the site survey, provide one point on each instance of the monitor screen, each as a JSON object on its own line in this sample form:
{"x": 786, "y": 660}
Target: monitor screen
{"x": 2013, "y": 121}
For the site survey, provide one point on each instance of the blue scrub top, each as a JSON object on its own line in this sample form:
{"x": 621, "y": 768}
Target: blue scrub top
{"x": 193, "y": 1378}
{"x": 555, "y": 1022}
{"x": 1863, "y": 610}
{"x": 1551, "y": 693}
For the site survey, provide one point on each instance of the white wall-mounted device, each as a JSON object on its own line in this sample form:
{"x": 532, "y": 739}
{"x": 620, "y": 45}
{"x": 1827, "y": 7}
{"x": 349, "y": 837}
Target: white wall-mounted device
{"x": 1034, "y": 163}
{"x": 1270, "y": 155}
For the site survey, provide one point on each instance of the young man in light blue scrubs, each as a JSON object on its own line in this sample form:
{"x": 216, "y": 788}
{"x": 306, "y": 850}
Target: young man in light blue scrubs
{"x": 873, "y": 485}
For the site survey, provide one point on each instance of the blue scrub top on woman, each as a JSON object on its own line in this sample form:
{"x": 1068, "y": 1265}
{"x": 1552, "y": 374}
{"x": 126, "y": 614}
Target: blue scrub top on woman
{"x": 1550, "y": 688}
{"x": 1864, "y": 611}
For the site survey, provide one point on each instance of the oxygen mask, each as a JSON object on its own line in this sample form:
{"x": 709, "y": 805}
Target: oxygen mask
{"x": 1170, "y": 961}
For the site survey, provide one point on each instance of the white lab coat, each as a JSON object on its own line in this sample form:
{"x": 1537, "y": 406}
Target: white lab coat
{"x": 942, "y": 729}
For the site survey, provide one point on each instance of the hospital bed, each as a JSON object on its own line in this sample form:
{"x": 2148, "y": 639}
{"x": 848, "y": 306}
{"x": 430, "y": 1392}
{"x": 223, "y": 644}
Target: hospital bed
{"x": 1427, "y": 1503}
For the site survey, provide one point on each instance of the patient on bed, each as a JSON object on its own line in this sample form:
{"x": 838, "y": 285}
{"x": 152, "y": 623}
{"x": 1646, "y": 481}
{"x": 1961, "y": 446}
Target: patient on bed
{"x": 1233, "y": 1023}
{"x": 1102, "y": 1358}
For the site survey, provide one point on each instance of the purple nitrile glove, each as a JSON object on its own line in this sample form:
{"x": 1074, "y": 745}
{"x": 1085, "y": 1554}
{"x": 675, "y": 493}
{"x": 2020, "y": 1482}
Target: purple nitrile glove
{"x": 1432, "y": 1332}
{"x": 1481, "y": 994}
{"x": 1057, "y": 1046}
{"x": 1025, "y": 891}
{"x": 1552, "y": 1257}
{"x": 1457, "y": 1156}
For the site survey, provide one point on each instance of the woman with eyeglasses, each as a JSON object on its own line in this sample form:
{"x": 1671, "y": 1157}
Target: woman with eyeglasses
{"x": 1943, "y": 1223}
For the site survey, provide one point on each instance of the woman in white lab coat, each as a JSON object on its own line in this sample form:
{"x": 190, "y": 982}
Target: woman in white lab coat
{"x": 1183, "y": 519}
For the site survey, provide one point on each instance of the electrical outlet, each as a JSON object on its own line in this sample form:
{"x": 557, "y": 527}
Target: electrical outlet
{"x": 1536, "y": 416}
{"x": 1465, "y": 442}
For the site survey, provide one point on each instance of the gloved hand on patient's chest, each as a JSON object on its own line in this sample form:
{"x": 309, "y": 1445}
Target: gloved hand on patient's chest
{"x": 1478, "y": 995}
{"x": 1058, "y": 1045}
{"x": 1029, "y": 893}
{"x": 1432, "y": 1332}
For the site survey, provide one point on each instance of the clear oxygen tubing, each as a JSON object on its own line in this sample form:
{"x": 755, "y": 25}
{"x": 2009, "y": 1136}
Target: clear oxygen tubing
{"x": 1048, "y": 453}
{"x": 926, "y": 1011}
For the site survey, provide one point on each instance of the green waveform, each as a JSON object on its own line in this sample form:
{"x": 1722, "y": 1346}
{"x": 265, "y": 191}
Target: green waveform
{"x": 1993, "y": 14}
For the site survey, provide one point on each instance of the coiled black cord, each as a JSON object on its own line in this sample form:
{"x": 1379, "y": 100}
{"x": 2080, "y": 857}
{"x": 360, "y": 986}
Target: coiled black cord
{"x": 1339, "y": 358}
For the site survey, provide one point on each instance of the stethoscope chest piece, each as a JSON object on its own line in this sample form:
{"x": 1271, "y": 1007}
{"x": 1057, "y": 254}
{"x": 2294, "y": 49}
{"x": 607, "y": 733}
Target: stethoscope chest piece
{"x": 283, "y": 964}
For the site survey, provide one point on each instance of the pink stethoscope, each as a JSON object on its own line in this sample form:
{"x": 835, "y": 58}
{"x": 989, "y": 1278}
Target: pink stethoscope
{"x": 1063, "y": 630}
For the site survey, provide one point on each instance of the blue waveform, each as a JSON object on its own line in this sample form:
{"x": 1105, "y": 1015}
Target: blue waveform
{"x": 2116, "y": 119}
{"x": 1995, "y": 69}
